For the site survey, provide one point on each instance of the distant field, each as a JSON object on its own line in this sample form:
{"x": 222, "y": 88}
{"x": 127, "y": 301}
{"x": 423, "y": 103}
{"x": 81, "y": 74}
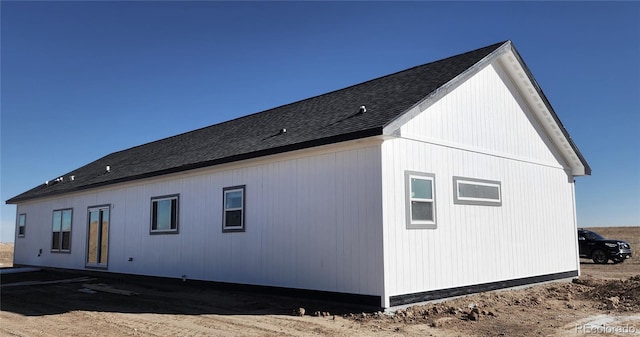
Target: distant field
{"x": 6, "y": 255}
{"x": 615, "y": 271}
{"x": 630, "y": 234}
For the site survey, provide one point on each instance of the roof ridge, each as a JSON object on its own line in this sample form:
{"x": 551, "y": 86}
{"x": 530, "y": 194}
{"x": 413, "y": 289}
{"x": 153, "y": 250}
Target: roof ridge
{"x": 495, "y": 45}
{"x": 309, "y": 122}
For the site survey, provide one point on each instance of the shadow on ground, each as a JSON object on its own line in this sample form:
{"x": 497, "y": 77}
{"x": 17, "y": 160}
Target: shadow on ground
{"x": 155, "y": 295}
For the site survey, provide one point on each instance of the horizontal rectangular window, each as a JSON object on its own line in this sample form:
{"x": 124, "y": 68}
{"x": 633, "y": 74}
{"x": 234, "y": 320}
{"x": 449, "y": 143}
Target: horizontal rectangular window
{"x": 234, "y": 209}
{"x": 470, "y": 191}
{"x": 61, "y": 236}
{"x": 164, "y": 214}
{"x": 420, "y": 211}
{"x": 22, "y": 224}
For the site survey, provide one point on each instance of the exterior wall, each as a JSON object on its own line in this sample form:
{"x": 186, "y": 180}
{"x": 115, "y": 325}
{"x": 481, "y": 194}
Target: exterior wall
{"x": 313, "y": 221}
{"x": 482, "y": 130}
{"x": 334, "y": 218}
{"x": 485, "y": 114}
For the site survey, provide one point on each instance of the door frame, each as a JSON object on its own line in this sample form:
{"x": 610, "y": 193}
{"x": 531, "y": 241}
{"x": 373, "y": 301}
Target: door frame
{"x": 97, "y": 265}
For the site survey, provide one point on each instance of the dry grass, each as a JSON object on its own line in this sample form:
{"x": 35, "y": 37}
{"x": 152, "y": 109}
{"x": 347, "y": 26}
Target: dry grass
{"x": 6, "y": 255}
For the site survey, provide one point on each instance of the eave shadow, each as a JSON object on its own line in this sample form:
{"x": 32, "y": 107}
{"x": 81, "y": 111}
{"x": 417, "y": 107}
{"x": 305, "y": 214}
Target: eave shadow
{"x": 155, "y": 295}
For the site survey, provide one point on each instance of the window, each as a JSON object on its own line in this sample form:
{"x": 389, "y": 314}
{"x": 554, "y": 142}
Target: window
{"x": 164, "y": 215}
{"x": 98, "y": 236}
{"x": 22, "y": 222}
{"x": 61, "y": 238}
{"x": 233, "y": 209}
{"x": 469, "y": 191}
{"x": 421, "y": 210}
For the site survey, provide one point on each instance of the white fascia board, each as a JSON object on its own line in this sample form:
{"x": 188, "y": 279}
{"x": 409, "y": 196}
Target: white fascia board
{"x": 393, "y": 128}
{"x": 513, "y": 65}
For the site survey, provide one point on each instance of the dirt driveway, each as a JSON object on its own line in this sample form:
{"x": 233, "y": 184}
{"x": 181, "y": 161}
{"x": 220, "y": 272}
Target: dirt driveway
{"x": 604, "y": 301}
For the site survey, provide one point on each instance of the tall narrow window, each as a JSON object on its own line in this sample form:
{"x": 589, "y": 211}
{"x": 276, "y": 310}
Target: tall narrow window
{"x": 22, "y": 223}
{"x": 421, "y": 210}
{"x": 98, "y": 236}
{"x": 164, "y": 215}
{"x": 61, "y": 238}
{"x": 470, "y": 191}
{"x": 234, "y": 209}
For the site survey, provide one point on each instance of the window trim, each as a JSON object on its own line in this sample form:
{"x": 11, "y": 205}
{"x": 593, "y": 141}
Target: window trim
{"x": 243, "y": 209}
{"x": 61, "y": 239}
{"x": 457, "y": 199}
{"x": 97, "y": 265}
{"x": 175, "y": 197}
{"x": 419, "y": 224}
{"x": 22, "y": 225}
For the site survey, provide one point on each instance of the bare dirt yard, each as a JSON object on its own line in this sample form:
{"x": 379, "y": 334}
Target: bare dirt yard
{"x": 603, "y": 301}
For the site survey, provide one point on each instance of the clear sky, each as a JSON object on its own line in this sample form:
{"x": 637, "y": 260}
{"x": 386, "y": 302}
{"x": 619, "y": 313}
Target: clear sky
{"x": 80, "y": 80}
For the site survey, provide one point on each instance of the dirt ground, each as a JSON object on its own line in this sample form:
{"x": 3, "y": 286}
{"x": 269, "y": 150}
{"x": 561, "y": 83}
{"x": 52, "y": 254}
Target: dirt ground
{"x": 604, "y": 301}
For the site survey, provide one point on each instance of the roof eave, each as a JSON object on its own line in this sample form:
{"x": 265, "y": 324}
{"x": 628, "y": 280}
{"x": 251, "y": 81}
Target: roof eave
{"x": 370, "y": 132}
{"x": 578, "y": 166}
{"x": 393, "y": 126}
{"x": 575, "y": 159}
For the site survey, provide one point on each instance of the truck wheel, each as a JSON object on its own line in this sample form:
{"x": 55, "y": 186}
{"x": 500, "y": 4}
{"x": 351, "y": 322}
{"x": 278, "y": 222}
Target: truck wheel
{"x": 599, "y": 257}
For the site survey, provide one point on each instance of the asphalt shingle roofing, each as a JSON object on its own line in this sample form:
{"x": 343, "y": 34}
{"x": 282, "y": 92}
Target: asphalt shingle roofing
{"x": 329, "y": 118}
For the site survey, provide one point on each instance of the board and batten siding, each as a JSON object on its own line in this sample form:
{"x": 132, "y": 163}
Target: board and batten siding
{"x": 482, "y": 129}
{"x": 313, "y": 221}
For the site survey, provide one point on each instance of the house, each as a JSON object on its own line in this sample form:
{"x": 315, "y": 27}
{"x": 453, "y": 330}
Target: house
{"x": 432, "y": 182}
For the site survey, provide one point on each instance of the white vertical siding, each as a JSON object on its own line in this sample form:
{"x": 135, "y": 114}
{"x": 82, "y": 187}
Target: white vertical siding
{"x": 313, "y": 221}
{"x": 334, "y": 219}
{"x": 531, "y": 234}
{"x": 483, "y": 130}
{"x": 486, "y": 114}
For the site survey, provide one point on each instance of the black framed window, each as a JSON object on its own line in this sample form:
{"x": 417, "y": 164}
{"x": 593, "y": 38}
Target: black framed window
{"x": 164, "y": 214}
{"x": 61, "y": 238}
{"x": 233, "y": 209}
{"x": 22, "y": 224}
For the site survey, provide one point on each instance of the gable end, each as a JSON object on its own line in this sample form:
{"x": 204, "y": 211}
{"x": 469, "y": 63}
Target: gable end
{"x": 509, "y": 59}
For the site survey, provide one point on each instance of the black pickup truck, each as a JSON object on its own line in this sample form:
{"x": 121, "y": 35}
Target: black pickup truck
{"x": 593, "y": 246}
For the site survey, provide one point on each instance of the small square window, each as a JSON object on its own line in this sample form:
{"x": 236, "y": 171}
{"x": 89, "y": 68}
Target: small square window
{"x": 233, "y": 209}
{"x": 420, "y": 211}
{"x": 22, "y": 223}
{"x": 164, "y": 215}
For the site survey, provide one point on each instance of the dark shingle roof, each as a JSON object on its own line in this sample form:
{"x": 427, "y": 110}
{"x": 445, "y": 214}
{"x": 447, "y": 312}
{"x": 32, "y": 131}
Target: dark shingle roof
{"x": 319, "y": 120}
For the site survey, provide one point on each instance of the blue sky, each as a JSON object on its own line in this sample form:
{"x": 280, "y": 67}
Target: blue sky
{"x": 80, "y": 80}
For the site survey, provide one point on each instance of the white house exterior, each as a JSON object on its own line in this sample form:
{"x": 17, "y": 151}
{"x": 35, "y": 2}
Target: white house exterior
{"x": 449, "y": 195}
